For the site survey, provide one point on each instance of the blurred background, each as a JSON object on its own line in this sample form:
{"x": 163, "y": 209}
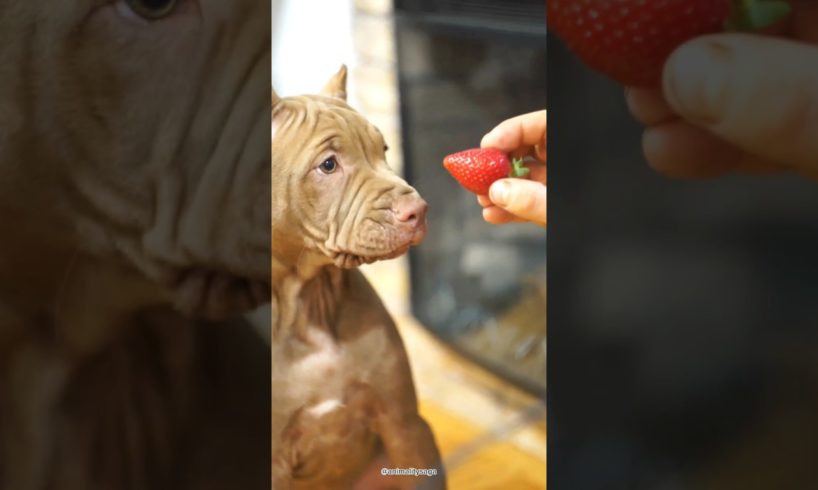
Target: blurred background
{"x": 682, "y": 334}
{"x": 434, "y": 76}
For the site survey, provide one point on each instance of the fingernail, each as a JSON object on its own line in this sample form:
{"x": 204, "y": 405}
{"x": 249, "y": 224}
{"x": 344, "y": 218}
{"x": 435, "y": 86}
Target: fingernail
{"x": 499, "y": 192}
{"x": 696, "y": 78}
{"x": 486, "y": 138}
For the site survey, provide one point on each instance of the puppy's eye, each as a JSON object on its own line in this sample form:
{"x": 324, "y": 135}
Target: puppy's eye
{"x": 329, "y": 165}
{"x": 152, "y": 9}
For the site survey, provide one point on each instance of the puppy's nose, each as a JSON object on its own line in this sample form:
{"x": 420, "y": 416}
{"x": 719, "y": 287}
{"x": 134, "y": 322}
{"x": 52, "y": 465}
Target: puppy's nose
{"x": 410, "y": 209}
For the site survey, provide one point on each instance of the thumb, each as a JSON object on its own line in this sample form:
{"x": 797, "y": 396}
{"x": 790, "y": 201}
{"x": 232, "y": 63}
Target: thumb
{"x": 525, "y": 199}
{"x": 759, "y": 93}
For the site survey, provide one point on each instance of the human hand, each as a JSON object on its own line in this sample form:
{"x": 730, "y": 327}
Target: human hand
{"x": 736, "y": 103}
{"x": 517, "y": 200}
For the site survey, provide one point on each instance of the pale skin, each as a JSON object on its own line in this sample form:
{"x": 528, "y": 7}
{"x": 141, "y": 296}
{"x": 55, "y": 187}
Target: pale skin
{"x": 749, "y": 104}
{"x": 512, "y": 199}
{"x": 736, "y": 103}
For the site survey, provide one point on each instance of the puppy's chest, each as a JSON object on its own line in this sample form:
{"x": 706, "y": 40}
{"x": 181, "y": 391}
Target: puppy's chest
{"x": 324, "y": 368}
{"x": 301, "y": 371}
{"x": 325, "y": 402}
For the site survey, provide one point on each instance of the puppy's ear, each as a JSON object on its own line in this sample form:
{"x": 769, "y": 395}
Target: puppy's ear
{"x": 277, "y": 110}
{"x": 337, "y": 85}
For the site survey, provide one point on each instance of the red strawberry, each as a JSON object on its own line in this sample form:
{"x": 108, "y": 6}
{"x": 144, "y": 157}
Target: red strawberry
{"x": 477, "y": 169}
{"x": 629, "y": 40}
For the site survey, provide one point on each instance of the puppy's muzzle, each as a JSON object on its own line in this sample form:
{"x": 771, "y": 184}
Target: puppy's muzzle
{"x": 410, "y": 217}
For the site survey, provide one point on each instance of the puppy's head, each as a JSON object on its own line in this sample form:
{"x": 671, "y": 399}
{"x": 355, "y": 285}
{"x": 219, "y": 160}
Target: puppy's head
{"x": 138, "y": 129}
{"x": 335, "y": 200}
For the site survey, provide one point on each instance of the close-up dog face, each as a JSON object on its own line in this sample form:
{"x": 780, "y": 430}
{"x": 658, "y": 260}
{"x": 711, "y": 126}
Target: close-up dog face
{"x": 335, "y": 199}
{"x": 140, "y": 128}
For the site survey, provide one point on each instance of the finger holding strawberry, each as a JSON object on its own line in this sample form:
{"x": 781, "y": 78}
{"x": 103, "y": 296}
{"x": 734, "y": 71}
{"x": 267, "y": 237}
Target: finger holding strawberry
{"x": 523, "y": 135}
{"x": 517, "y": 200}
{"x": 736, "y": 103}
{"x": 509, "y": 189}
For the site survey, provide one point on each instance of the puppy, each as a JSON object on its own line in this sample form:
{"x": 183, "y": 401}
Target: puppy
{"x": 344, "y": 400}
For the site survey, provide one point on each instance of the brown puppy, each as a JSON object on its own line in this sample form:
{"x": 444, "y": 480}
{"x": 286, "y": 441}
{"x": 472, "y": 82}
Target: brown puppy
{"x": 340, "y": 377}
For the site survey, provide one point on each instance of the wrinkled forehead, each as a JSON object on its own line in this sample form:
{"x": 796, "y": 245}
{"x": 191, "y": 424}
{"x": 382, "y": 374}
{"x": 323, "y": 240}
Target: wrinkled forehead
{"x": 325, "y": 119}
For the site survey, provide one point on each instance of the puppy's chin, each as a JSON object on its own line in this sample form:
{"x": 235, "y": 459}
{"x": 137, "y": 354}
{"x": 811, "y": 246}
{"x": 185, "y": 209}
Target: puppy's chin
{"x": 349, "y": 260}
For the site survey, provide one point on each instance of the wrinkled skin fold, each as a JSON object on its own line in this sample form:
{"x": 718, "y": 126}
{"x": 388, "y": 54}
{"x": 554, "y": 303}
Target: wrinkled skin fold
{"x": 134, "y": 206}
{"x": 142, "y": 142}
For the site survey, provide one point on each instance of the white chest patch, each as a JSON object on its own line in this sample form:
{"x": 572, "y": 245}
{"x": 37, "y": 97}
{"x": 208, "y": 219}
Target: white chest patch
{"x": 319, "y": 370}
{"x": 325, "y": 407}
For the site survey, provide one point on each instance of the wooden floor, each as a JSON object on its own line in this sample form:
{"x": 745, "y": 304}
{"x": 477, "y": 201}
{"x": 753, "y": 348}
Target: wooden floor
{"x": 492, "y": 436}
{"x": 487, "y": 465}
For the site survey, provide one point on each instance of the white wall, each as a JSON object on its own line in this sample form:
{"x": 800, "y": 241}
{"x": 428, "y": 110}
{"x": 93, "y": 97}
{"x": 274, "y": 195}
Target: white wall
{"x": 310, "y": 41}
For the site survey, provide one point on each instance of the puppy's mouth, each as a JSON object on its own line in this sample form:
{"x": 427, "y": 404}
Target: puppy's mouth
{"x": 213, "y": 294}
{"x": 349, "y": 260}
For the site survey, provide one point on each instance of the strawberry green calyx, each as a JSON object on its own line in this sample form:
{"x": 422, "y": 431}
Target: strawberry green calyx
{"x": 754, "y": 15}
{"x": 518, "y": 169}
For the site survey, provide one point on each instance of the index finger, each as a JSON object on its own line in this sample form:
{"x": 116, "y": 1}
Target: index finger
{"x": 517, "y": 132}
{"x": 719, "y": 83}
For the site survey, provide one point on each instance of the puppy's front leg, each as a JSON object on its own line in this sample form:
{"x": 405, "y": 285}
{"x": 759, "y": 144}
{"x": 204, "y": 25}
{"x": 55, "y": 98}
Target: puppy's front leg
{"x": 408, "y": 444}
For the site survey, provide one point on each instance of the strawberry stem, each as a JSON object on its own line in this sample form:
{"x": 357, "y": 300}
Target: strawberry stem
{"x": 518, "y": 169}
{"x": 754, "y": 15}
